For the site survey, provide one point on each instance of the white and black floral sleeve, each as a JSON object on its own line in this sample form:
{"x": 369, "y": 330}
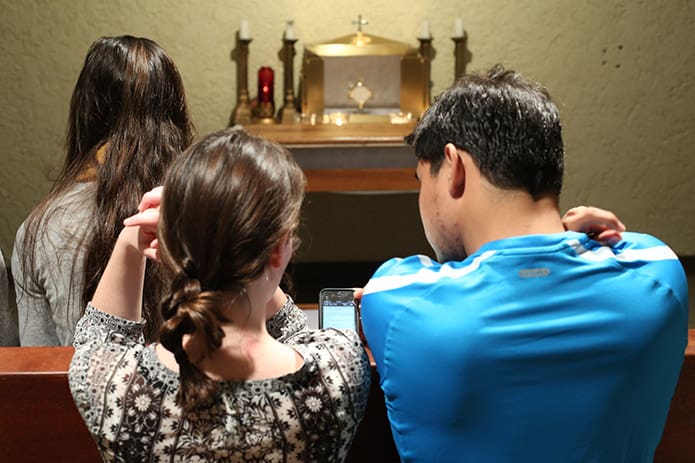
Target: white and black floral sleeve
{"x": 102, "y": 341}
{"x": 287, "y": 322}
{"x": 97, "y": 327}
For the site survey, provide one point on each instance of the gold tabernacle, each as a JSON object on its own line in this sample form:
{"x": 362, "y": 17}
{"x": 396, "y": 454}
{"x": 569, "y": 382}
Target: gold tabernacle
{"x": 363, "y": 78}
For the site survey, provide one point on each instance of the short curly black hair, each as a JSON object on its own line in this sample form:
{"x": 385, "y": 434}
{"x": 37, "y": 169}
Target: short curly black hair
{"x": 509, "y": 126}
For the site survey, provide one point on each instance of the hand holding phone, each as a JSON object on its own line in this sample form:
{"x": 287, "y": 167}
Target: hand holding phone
{"x": 338, "y": 309}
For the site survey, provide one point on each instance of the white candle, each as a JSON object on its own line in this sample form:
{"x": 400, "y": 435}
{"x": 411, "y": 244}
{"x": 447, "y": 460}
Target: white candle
{"x": 244, "y": 30}
{"x": 289, "y": 31}
{"x": 425, "y": 31}
{"x": 458, "y": 27}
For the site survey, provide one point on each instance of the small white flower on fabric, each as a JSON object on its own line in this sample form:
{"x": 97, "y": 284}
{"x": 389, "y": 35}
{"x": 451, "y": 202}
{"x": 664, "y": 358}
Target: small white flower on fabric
{"x": 142, "y": 402}
{"x": 313, "y": 403}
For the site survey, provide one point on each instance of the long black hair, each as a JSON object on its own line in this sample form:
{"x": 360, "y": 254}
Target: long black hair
{"x": 129, "y": 104}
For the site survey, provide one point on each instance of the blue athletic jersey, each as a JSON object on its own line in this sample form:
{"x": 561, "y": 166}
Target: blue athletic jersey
{"x": 542, "y": 348}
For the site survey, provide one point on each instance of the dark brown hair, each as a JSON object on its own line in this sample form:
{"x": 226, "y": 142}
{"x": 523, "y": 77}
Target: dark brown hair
{"x": 129, "y": 99}
{"x": 227, "y": 201}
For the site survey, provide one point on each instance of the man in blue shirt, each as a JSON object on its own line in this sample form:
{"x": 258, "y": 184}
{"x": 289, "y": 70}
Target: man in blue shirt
{"x": 523, "y": 341}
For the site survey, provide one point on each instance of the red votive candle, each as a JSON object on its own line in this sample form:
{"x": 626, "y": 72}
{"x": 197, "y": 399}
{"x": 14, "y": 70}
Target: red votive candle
{"x": 266, "y": 78}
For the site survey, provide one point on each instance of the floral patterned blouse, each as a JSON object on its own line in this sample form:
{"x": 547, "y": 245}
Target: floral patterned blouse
{"x": 127, "y": 398}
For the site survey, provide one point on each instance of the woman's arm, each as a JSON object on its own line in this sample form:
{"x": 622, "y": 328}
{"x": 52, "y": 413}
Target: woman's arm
{"x": 34, "y": 325}
{"x": 120, "y": 288}
{"x": 8, "y": 320}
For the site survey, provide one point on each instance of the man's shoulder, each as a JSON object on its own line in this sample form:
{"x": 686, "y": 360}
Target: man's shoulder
{"x": 402, "y": 272}
{"x": 405, "y": 265}
{"x": 641, "y": 248}
{"x": 635, "y": 239}
{"x": 654, "y": 259}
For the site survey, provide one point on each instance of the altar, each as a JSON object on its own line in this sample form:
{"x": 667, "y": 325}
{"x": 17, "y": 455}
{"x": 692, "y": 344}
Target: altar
{"x": 350, "y": 158}
{"x": 359, "y": 96}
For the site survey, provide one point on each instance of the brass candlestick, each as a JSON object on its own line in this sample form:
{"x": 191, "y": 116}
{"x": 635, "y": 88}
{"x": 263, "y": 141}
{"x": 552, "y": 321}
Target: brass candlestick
{"x": 288, "y": 112}
{"x": 426, "y": 55}
{"x": 459, "y": 56}
{"x": 242, "y": 112}
{"x": 264, "y": 112}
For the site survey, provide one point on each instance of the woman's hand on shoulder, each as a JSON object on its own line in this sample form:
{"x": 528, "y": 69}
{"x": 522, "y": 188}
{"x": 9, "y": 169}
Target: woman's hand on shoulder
{"x": 604, "y": 226}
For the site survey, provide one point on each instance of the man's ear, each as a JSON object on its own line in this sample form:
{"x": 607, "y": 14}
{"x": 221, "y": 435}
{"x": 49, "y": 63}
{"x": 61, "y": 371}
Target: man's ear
{"x": 457, "y": 171}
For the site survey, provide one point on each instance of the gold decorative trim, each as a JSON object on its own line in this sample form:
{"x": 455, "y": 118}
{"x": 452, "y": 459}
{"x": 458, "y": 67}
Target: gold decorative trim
{"x": 361, "y": 44}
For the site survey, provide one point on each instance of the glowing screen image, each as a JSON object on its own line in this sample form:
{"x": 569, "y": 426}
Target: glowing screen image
{"x": 339, "y": 314}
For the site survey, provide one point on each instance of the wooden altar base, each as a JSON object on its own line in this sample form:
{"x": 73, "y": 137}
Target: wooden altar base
{"x": 348, "y": 158}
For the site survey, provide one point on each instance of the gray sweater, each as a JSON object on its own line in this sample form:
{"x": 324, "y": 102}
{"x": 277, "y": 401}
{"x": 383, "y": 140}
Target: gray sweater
{"x": 8, "y": 321}
{"x": 49, "y": 295}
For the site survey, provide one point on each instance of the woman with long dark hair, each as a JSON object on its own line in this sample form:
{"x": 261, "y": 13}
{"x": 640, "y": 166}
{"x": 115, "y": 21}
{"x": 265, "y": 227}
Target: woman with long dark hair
{"x": 230, "y": 380}
{"x": 128, "y": 120}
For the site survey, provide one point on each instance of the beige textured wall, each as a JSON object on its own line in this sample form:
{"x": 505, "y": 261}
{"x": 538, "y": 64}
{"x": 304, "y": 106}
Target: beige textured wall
{"x": 622, "y": 73}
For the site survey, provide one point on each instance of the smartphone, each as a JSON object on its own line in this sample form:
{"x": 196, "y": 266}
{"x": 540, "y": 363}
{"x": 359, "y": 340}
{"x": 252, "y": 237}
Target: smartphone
{"x": 338, "y": 309}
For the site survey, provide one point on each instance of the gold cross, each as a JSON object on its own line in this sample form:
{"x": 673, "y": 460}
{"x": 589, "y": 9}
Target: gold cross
{"x": 360, "y": 22}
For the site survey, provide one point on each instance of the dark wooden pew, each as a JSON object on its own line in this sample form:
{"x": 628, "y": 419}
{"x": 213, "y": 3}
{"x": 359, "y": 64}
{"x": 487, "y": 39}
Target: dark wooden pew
{"x": 38, "y": 419}
{"x": 39, "y": 422}
{"x": 678, "y": 441}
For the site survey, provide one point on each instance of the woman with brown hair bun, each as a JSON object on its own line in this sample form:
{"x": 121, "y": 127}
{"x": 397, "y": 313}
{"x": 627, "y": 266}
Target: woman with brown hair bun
{"x": 237, "y": 375}
{"x": 128, "y": 120}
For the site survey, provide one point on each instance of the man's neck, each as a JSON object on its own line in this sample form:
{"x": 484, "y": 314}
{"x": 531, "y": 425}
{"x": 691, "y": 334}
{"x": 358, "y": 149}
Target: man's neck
{"x": 498, "y": 214}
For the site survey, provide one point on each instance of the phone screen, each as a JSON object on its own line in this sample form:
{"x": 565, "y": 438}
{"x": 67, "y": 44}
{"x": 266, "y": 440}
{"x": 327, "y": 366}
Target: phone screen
{"x": 337, "y": 309}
